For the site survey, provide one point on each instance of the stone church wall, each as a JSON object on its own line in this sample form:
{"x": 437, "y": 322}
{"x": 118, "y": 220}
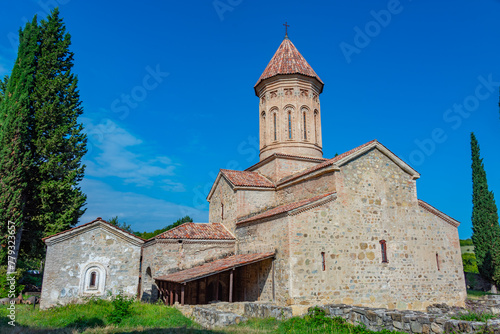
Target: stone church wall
{"x": 267, "y": 236}
{"x": 376, "y": 201}
{"x": 224, "y": 194}
{"x": 168, "y": 256}
{"x": 115, "y": 258}
{"x": 322, "y": 184}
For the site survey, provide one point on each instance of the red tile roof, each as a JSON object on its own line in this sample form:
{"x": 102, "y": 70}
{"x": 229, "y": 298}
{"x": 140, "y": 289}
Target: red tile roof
{"x": 288, "y": 60}
{"x": 438, "y": 213}
{"x": 248, "y": 179}
{"x": 215, "y": 267}
{"x": 324, "y": 164}
{"x": 98, "y": 219}
{"x": 284, "y": 208}
{"x": 211, "y": 231}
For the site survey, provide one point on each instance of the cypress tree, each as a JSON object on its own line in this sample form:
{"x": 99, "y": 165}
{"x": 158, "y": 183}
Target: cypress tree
{"x": 16, "y": 159}
{"x": 58, "y": 140}
{"x": 485, "y": 227}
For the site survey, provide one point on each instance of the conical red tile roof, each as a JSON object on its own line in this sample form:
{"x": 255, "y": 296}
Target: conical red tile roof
{"x": 287, "y": 60}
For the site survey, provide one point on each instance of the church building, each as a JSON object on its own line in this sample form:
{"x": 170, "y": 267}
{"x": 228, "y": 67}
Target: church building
{"x": 294, "y": 229}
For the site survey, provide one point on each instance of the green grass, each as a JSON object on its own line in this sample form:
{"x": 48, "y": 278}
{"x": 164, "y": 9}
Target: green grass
{"x": 146, "y": 318}
{"x": 78, "y": 318}
{"x": 473, "y": 316}
{"x": 477, "y": 293}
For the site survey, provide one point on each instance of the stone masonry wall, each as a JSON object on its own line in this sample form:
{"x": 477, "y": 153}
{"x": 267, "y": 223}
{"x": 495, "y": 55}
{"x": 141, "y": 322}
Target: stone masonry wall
{"x": 376, "y": 201}
{"x": 312, "y": 187}
{"x": 224, "y": 194}
{"x": 269, "y": 236}
{"x": 66, "y": 261}
{"x": 168, "y": 256}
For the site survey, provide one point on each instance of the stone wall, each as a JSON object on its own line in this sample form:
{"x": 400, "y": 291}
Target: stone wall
{"x": 376, "y": 201}
{"x": 321, "y": 184}
{"x": 114, "y": 255}
{"x": 164, "y": 257}
{"x": 281, "y": 166}
{"x": 226, "y": 314}
{"x": 269, "y": 236}
{"x": 224, "y": 194}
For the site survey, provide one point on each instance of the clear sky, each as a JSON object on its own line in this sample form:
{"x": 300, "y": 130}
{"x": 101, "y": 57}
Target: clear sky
{"x": 167, "y": 88}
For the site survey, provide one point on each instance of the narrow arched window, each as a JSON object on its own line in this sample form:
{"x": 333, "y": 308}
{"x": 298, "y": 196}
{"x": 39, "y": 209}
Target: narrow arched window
{"x": 222, "y": 211}
{"x": 275, "y": 135}
{"x": 437, "y": 261}
{"x": 264, "y": 127}
{"x": 289, "y": 125}
{"x": 148, "y": 272}
{"x": 316, "y": 136}
{"x": 93, "y": 279}
{"x": 383, "y": 247}
{"x": 305, "y": 125}
{"x": 323, "y": 261}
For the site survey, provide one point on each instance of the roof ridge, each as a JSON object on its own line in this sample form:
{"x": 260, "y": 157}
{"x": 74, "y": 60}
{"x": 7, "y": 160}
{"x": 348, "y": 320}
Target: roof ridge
{"x": 98, "y": 219}
{"x": 450, "y": 220}
{"x": 324, "y": 163}
{"x": 284, "y": 208}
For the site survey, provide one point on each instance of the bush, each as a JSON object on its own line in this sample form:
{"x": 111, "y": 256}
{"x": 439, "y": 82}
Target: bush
{"x": 466, "y": 242}
{"x": 121, "y": 308}
{"x": 470, "y": 263}
{"x": 5, "y": 285}
{"x": 475, "y": 316}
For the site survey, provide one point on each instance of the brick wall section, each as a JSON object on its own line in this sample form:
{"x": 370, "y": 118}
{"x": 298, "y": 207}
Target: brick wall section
{"x": 376, "y": 201}
{"x": 168, "y": 256}
{"x": 66, "y": 260}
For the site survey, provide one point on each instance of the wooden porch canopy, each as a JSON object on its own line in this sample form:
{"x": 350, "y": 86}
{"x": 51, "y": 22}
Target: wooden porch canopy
{"x": 171, "y": 285}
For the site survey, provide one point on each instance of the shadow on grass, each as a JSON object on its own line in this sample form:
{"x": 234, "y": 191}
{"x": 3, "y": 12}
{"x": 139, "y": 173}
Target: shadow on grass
{"x": 94, "y": 327}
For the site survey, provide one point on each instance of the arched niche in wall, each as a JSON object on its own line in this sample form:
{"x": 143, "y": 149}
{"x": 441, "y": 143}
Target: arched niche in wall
{"x": 93, "y": 279}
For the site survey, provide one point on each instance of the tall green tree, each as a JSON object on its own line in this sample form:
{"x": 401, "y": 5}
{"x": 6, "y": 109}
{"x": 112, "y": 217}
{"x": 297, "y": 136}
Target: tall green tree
{"x": 486, "y": 230}
{"x": 58, "y": 140}
{"x": 42, "y": 143}
{"x": 16, "y": 158}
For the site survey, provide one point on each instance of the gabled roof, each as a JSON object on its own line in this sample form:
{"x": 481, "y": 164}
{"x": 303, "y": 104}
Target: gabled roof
{"x": 243, "y": 179}
{"x": 215, "y": 267}
{"x": 348, "y": 156}
{"x": 210, "y": 231}
{"x": 81, "y": 228}
{"x": 286, "y": 208}
{"x": 438, "y": 213}
{"x": 246, "y": 179}
{"x": 288, "y": 60}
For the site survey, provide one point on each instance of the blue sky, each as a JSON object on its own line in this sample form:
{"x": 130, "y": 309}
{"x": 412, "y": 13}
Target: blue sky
{"x": 167, "y": 88}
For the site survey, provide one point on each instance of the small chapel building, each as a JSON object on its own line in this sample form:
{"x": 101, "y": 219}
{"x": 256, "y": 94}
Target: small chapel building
{"x": 293, "y": 229}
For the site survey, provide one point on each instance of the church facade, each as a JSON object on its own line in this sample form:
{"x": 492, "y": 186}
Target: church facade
{"x": 297, "y": 228}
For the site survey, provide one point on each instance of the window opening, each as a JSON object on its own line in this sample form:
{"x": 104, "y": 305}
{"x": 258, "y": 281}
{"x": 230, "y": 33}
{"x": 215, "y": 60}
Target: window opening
{"x": 383, "y": 247}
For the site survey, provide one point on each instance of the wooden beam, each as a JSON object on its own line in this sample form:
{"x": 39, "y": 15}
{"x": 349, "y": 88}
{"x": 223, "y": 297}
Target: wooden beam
{"x": 206, "y": 290}
{"x": 171, "y": 293}
{"x": 217, "y": 287}
{"x": 197, "y": 292}
{"x": 231, "y": 273}
{"x": 176, "y": 293}
{"x": 274, "y": 293}
{"x": 183, "y": 286}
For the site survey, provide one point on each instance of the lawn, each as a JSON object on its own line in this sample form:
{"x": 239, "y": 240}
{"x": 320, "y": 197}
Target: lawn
{"x": 146, "y": 318}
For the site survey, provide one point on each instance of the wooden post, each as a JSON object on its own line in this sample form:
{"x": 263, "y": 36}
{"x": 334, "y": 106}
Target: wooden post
{"x": 274, "y": 294}
{"x": 182, "y": 293}
{"x": 197, "y": 292}
{"x": 231, "y": 273}
{"x": 206, "y": 290}
{"x": 217, "y": 288}
{"x": 171, "y": 293}
{"x": 176, "y": 293}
